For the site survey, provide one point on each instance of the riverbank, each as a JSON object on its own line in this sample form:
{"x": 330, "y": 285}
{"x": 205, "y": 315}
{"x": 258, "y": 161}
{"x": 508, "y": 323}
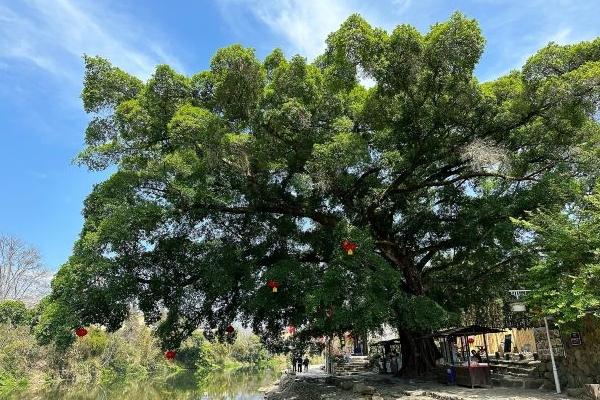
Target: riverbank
{"x": 315, "y": 385}
{"x": 100, "y": 363}
{"x": 177, "y": 386}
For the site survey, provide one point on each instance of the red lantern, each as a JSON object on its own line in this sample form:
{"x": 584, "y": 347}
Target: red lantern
{"x": 291, "y": 329}
{"x": 471, "y": 340}
{"x": 349, "y": 247}
{"x": 273, "y": 285}
{"x": 230, "y": 329}
{"x": 170, "y": 355}
{"x": 81, "y": 331}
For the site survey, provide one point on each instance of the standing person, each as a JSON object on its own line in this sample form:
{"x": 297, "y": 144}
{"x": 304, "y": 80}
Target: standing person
{"x": 294, "y": 364}
{"x": 476, "y": 356}
{"x": 306, "y": 361}
{"x": 394, "y": 363}
{"x": 299, "y": 361}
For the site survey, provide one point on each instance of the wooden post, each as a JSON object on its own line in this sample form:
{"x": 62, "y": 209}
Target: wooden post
{"x": 487, "y": 355}
{"x": 468, "y": 352}
{"x": 444, "y": 349}
{"x": 328, "y": 361}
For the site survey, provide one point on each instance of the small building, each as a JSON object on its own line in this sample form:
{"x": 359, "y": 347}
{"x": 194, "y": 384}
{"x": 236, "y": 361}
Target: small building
{"x": 518, "y": 341}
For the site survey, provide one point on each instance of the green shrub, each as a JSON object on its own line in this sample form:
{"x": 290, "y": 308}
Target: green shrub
{"x": 93, "y": 344}
{"x": 10, "y": 385}
{"x": 14, "y": 312}
{"x": 190, "y": 355}
{"x": 102, "y": 359}
{"x": 248, "y": 350}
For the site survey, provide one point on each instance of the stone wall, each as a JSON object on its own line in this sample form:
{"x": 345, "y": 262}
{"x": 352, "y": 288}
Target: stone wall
{"x": 544, "y": 371}
{"x": 582, "y": 363}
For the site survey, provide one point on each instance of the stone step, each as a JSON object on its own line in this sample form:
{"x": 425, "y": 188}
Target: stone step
{"x": 518, "y": 375}
{"x": 527, "y": 363}
{"x": 350, "y": 369}
{"x": 341, "y": 369}
{"x": 355, "y": 364}
{"x": 518, "y": 382}
{"x": 514, "y": 369}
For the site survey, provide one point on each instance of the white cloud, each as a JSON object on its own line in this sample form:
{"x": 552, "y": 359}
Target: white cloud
{"x": 304, "y": 24}
{"x": 562, "y": 36}
{"x": 400, "y": 6}
{"x": 54, "y": 35}
{"x": 515, "y": 30}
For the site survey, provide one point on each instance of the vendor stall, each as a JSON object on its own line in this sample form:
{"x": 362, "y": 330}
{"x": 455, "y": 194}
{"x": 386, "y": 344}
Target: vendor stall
{"x": 386, "y": 355}
{"x": 465, "y": 366}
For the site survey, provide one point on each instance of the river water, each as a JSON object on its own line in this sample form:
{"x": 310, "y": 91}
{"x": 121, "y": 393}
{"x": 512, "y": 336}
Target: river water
{"x": 182, "y": 385}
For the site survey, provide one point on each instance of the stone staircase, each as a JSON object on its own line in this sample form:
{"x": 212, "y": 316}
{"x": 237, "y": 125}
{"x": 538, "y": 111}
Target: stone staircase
{"x": 523, "y": 368}
{"x": 518, "y": 374}
{"x": 354, "y": 366}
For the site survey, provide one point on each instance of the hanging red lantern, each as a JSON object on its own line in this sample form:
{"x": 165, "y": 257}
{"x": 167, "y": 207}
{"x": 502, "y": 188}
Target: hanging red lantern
{"x": 291, "y": 329}
{"x": 230, "y": 329}
{"x": 273, "y": 285}
{"x": 81, "y": 331}
{"x": 471, "y": 340}
{"x": 170, "y": 355}
{"x": 349, "y": 247}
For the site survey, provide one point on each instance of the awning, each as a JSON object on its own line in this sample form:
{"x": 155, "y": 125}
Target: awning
{"x": 386, "y": 342}
{"x": 472, "y": 330}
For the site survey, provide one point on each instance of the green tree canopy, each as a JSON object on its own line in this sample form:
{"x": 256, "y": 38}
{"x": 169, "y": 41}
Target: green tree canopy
{"x": 252, "y": 171}
{"x": 14, "y": 312}
{"x": 566, "y": 275}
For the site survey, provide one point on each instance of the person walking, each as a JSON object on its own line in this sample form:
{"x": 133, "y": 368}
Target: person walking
{"x": 294, "y": 362}
{"x": 306, "y": 361}
{"x": 299, "y": 361}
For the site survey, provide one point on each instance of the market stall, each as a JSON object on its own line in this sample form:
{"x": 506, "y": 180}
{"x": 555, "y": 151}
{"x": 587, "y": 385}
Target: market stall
{"x": 465, "y": 366}
{"x": 386, "y": 354}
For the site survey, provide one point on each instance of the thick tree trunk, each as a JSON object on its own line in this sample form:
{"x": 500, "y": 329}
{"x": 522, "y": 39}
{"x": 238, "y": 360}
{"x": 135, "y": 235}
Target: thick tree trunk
{"x": 418, "y": 354}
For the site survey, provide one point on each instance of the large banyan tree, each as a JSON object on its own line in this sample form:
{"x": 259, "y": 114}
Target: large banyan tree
{"x": 256, "y": 174}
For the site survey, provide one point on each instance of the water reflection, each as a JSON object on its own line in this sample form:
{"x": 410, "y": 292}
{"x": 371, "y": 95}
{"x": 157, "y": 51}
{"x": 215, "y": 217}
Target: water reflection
{"x": 238, "y": 385}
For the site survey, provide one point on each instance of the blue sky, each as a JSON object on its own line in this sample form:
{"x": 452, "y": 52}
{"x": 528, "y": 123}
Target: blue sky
{"x": 42, "y": 41}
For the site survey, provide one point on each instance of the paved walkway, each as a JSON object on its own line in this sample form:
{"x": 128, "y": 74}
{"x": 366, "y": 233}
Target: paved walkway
{"x": 391, "y": 386}
{"x": 315, "y": 384}
{"x": 495, "y": 393}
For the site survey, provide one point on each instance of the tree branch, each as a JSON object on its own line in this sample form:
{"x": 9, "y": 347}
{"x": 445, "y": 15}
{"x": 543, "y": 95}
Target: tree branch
{"x": 296, "y": 211}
